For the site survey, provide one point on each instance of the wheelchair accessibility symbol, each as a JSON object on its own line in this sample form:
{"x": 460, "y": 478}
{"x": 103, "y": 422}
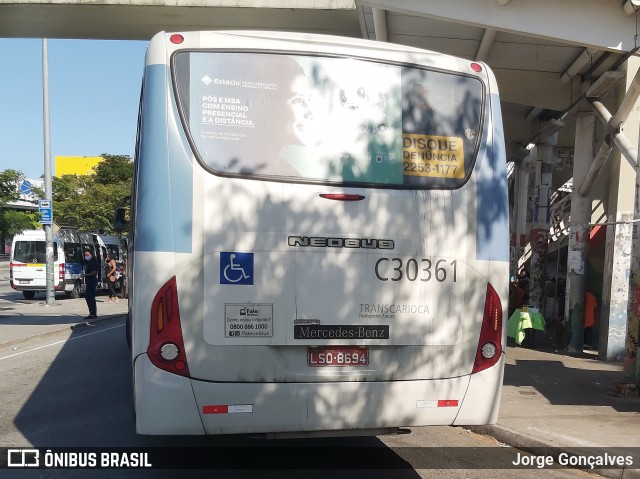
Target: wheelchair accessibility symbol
{"x": 236, "y": 268}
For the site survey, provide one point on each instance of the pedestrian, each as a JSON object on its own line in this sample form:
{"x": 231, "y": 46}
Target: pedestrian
{"x": 590, "y": 306}
{"x": 515, "y": 297}
{"x": 524, "y": 281}
{"x": 110, "y": 275}
{"x": 91, "y": 283}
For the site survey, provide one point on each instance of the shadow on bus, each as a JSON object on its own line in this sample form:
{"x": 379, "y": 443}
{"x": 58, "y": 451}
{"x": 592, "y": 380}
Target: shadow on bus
{"x": 84, "y": 400}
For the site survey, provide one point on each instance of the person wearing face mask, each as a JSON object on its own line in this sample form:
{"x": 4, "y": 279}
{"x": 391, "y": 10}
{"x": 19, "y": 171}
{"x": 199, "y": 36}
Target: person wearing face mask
{"x": 91, "y": 282}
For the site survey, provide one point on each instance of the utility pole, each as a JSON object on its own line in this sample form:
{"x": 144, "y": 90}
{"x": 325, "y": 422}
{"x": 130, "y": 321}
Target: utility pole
{"x": 48, "y": 227}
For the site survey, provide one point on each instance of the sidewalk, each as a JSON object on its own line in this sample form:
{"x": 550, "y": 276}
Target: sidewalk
{"x": 552, "y": 400}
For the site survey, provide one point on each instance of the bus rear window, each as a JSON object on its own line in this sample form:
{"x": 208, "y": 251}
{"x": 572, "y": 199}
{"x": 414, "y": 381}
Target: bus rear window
{"x": 33, "y": 252}
{"x": 329, "y": 120}
{"x": 73, "y": 253}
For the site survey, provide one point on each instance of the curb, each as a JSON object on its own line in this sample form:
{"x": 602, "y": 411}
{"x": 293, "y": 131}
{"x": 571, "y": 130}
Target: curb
{"x": 532, "y": 445}
{"x": 75, "y": 326}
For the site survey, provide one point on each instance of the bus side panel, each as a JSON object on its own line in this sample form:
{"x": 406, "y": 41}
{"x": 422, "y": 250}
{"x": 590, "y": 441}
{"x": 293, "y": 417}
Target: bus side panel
{"x": 492, "y": 236}
{"x": 492, "y": 232}
{"x": 163, "y": 221}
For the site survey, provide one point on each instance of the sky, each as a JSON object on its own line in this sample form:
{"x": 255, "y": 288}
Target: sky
{"x": 94, "y": 88}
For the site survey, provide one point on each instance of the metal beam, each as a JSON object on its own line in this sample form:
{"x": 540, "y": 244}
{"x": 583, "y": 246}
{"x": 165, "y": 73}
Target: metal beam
{"x": 586, "y": 56}
{"x": 628, "y": 150}
{"x": 533, "y": 113}
{"x": 604, "y": 84}
{"x": 628, "y": 102}
{"x": 485, "y": 44}
{"x": 380, "y": 24}
{"x": 596, "y": 167}
{"x": 630, "y": 6}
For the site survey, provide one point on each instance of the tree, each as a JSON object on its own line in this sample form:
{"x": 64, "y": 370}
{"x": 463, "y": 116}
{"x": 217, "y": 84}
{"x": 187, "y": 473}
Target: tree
{"x": 114, "y": 169}
{"x": 90, "y": 202}
{"x": 10, "y": 181}
{"x": 11, "y": 220}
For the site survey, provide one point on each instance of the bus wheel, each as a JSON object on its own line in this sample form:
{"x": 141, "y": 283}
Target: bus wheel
{"x": 75, "y": 292}
{"x": 28, "y": 294}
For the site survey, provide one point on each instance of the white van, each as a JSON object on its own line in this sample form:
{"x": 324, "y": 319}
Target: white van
{"x": 28, "y": 261}
{"x": 28, "y": 272}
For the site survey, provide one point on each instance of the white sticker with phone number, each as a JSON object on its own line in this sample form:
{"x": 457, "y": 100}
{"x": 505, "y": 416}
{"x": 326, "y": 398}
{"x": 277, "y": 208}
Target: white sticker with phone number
{"x": 248, "y": 320}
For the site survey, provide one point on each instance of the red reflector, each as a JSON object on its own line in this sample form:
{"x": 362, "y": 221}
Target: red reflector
{"x": 491, "y": 331}
{"x": 215, "y": 409}
{"x": 447, "y": 403}
{"x": 166, "y": 328}
{"x": 476, "y": 67}
{"x": 341, "y": 197}
{"x": 177, "y": 39}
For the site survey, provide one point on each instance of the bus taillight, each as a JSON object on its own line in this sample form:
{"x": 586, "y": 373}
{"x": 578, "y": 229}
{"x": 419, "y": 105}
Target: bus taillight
{"x": 176, "y": 38}
{"x": 490, "y": 344}
{"x": 61, "y": 272}
{"x": 166, "y": 346}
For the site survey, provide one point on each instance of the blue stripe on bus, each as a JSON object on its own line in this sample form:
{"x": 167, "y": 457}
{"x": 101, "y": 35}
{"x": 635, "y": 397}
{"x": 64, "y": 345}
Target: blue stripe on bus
{"x": 73, "y": 268}
{"x": 492, "y": 227}
{"x": 165, "y": 181}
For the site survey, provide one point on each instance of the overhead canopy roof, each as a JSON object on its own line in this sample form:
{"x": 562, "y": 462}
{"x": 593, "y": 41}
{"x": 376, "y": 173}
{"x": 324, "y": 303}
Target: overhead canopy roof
{"x": 541, "y": 52}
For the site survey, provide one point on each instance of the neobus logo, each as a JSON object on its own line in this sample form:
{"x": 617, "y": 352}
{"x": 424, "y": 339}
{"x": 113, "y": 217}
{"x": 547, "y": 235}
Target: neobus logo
{"x": 324, "y": 242}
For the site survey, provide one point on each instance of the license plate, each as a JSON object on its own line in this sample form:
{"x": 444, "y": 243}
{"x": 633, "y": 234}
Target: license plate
{"x": 338, "y": 356}
{"x": 23, "y": 281}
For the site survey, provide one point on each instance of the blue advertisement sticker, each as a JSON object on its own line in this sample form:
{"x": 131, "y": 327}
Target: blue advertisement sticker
{"x": 236, "y": 268}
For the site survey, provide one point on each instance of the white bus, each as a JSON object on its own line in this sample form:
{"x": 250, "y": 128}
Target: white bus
{"x": 319, "y": 237}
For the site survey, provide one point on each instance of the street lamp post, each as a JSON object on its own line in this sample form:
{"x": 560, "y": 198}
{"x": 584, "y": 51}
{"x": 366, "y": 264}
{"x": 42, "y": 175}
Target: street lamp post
{"x": 47, "y": 173}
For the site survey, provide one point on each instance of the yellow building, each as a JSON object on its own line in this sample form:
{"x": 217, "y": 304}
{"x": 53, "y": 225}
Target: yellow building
{"x": 76, "y": 165}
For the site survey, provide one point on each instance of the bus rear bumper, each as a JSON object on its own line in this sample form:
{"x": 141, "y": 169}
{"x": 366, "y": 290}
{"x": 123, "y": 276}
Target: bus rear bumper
{"x": 330, "y": 407}
{"x": 170, "y": 404}
{"x": 164, "y": 402}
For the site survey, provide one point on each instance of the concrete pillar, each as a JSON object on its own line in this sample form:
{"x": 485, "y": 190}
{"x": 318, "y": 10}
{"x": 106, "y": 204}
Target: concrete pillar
{"x": 631, "y": 359}
{"x": 522, "y": 206}
{"x": 615, "y": 290}
{"x": 579, "y": 230}
{"x": 541, "y": 220}
{"x": 620, "y": 314}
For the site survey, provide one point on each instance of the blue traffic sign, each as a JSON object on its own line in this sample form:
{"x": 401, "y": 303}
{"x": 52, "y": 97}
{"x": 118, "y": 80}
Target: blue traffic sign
{"x": 45, "y": 207}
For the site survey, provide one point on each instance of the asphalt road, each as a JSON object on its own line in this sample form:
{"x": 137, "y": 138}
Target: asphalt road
{"x": 72, "y": 388}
